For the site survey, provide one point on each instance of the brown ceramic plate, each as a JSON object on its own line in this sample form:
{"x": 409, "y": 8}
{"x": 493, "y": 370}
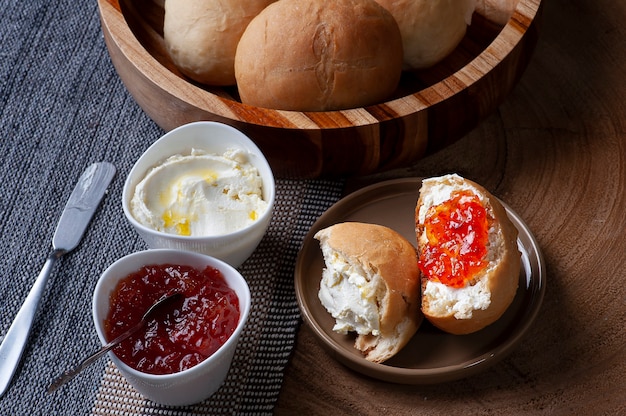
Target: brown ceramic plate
{"x": 432, "y": 356}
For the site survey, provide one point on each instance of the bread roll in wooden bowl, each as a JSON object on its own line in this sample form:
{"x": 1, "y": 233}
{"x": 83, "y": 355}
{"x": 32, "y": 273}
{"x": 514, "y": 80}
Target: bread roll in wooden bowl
{"x": 430, "y": 109}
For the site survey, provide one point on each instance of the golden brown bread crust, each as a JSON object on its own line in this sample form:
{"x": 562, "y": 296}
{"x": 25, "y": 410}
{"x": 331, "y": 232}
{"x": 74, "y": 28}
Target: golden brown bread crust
{"x": 201, "y": 36}
{"x": 501, "y": 281}
{"x": 319, "y": 55}
{"x": 431, "y": 29}
{"x": 382, "y": 251}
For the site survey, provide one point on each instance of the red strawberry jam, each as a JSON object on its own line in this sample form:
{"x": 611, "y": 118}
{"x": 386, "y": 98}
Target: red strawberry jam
{"x": 458, "y": 234}
{"x": 183, "y": 336}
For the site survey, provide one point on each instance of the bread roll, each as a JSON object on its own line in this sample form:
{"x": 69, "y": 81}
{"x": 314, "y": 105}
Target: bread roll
{"x": 498, "y": 11}
{"x": 201, "y": 36}
{"x": 468, "y": 255}
{"x": 370, "y": 285}
{"x": 319, "y": 55}
{"x": 431, "y": 29}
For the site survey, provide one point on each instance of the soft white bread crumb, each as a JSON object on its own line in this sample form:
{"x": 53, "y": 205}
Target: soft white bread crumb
{"x": 371, "y": 286}
{"x": 350, "y": 294}
{"x": 490, "y": 291}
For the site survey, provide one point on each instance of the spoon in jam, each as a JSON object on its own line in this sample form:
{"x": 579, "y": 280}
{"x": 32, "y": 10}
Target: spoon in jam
{"x": 162, "y": 304}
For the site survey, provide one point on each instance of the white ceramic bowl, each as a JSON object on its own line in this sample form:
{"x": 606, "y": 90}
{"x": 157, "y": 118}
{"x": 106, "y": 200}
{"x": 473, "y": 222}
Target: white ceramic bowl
{"x": 234, "y": 248}
{"x": 196, "y": 383}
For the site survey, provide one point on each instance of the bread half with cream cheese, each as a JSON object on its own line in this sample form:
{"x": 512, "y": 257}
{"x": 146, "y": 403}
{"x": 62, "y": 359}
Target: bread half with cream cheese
{"x": 468, "y": 254}
{"x": 371, "y": 286}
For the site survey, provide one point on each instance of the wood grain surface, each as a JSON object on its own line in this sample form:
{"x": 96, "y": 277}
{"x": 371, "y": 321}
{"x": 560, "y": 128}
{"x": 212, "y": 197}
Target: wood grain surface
{"x": 555, "y": 151}
{"x": 430, "y": 109}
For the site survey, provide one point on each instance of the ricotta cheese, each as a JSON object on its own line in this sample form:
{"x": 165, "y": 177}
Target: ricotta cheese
{"x": 349, "y": 297}
{"x": 200, "y": 194}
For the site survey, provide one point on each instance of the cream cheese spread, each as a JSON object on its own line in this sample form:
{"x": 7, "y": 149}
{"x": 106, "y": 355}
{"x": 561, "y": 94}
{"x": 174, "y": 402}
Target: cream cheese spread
{"x": 200, "y": 194}
{"x": 349, "y": 297}
{"x": 444, "y": 299}
{"x": 460, "y": 302}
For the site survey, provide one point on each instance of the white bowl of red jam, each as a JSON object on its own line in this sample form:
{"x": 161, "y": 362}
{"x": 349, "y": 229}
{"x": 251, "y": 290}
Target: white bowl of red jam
{"x": 183, "y": 355}
{"x": 203, "y": 187}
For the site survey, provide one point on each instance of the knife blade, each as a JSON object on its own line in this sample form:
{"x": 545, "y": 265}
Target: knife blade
{"x": 81, "y": 205}
{"x": 74, "y": 220}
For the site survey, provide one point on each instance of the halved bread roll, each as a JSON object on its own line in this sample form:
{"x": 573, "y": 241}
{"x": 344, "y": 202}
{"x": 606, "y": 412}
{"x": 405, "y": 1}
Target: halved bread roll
{"x": 371, "y": 286}
{"x": 468, "y": 254}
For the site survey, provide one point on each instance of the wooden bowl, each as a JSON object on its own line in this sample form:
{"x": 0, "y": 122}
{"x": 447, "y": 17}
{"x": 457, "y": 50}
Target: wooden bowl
{"x": 430, "y": 109}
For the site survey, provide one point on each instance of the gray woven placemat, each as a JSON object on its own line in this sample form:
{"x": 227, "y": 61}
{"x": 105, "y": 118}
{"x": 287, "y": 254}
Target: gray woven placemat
{"x": 255, "y": 378}
{"x": 63, "y": 107}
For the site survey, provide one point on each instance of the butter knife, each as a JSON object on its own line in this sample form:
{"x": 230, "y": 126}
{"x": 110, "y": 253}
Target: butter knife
{"x": 74, "y": 220}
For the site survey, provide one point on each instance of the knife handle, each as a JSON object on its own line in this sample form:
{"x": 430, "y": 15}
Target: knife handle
{"x": 14, "y": 341}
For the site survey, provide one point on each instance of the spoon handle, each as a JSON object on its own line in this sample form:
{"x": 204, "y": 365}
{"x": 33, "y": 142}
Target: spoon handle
{"x": 14, "y": 341}
{"x": 165, "y": 301}
{"x": 71, "y": 373}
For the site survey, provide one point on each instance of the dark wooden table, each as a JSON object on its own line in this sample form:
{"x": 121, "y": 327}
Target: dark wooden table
{"x": 555, "y": 151}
